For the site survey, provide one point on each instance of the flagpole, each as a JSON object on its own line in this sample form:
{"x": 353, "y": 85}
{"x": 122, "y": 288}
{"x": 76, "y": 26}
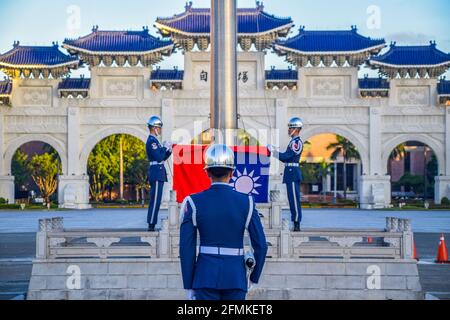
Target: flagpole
{"x": 224, "y": 117}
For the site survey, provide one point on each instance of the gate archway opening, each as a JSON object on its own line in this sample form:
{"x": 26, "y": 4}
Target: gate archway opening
{"x": 332, "y": 168}
{"x": 117, "y": 169}
{"x": 413, "y": 166}
{"x": 36, "y": 166}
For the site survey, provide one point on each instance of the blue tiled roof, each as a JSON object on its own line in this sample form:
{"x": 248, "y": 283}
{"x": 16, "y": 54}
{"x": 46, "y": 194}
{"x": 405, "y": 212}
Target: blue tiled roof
{"x": 74, "y": 84}
{"x": 250, "y": 21}
{"x": 412, "y": 55}
{"x": 167, "y": 75}
{"x": 444, "y": 87}
{"x": 373, "y": 83}
{"x": 35, "y": 56}
{"x": 274, "y": 75}
{"x": 5, "y": 87}
{"x": 330, "y": 41}
{"x": 117, "y": 41}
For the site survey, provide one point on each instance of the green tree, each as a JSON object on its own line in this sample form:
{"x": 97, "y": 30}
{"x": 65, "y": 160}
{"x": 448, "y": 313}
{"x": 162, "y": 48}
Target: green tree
{"x": 19, "y": 168}
{"x": 347, "y": 150}
{"x": 411, "y": 183}
{"x": 137, "y": 176}
{"x": 323, "y": 170}
{"x": 111, "y": 162}
{"x": 103, "y": 168}
{"x": 44, "y": 170}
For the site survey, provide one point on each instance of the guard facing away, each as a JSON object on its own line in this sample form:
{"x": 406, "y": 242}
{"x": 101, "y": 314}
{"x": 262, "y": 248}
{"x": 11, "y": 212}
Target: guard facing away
{"x": 157, "y": 154}
{"x": 221, "y": 217}
{"x": 292, "y": 173}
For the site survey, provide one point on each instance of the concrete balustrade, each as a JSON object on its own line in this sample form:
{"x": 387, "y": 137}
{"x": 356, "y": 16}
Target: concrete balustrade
{"x": 312, "y": 264}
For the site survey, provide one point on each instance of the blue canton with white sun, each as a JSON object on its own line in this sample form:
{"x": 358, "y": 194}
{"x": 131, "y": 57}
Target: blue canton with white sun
{"x": 252, "y": 178}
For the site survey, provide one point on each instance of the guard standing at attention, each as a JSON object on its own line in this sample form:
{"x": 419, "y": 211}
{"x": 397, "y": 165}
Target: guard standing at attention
{"x": 220, "y": 216}
{"x": 292, "y": 173}
{"x": 157, "y": 154}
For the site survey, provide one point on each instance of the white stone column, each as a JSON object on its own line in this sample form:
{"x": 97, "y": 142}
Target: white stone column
{"x": 328, "y": 184}
{"x": 442, "y": 186}
{"x": 6, "y": 181}
{"x": 280, "y": 139}
{"x": 375, "y": 188}
{"x": 375, "y": 142}
{"x": 73, "y": 186}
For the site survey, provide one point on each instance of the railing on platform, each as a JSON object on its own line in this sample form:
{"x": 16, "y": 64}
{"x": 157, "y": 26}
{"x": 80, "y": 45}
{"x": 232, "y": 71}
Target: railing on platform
{"x": 396, "y": 242}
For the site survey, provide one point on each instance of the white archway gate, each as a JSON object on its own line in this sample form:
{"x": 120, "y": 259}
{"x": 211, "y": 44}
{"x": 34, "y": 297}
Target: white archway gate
{"x": 120, "y": 100}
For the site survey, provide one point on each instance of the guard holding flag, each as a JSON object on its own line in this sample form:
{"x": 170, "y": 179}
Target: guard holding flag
{"x": 292, "y": 173}
{"x": 157, "y": 154}
{"x": 220, "y": 216}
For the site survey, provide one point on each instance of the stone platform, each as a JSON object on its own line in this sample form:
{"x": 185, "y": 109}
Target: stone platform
{"x": 309, "y": 265}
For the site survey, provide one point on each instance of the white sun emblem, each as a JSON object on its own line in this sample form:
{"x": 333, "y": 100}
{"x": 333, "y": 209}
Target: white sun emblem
{"x": 245, "y": 183}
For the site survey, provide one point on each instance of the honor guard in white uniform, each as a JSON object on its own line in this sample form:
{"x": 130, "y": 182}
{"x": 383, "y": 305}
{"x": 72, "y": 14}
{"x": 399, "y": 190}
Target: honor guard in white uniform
{"x": 292, "y": 173}
{"x": 157, "y": 154}
{"x": 221, "y": 217}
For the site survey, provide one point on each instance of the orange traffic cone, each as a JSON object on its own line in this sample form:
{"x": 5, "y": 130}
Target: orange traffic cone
{"x": 442, "y": 256}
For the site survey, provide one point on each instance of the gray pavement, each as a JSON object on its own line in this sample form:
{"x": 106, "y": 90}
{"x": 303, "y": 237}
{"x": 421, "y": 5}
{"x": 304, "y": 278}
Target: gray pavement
{"x": 17, "y": 239}
{"x": 27, "y": 221}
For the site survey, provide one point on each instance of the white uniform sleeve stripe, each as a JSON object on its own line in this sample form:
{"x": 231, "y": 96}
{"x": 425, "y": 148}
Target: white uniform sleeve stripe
{"x": 194, "y": 211}
{"x": 250, "y": 212}
{"x": 183, "y": 210}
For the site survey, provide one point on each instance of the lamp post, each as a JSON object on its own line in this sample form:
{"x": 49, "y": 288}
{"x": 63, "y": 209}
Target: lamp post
{"x": 335, "y": 183}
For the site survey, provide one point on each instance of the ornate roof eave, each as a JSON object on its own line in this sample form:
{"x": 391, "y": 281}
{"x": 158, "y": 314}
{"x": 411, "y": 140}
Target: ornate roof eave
{"x": 374, "y": 89}
{"x": 284, "y": 50}
{"x": 56, "y": 71}
{"x": 73, "y": 89}
{"x": 119, "y": 53}
{"x": 37, "y": 66}
{"x": 421, "y": 71}
{"x": 377, "y": 64}
{"x": 203, "y": 35}
{"x": 280, "y": 80}
{"x": 168, "y": 80}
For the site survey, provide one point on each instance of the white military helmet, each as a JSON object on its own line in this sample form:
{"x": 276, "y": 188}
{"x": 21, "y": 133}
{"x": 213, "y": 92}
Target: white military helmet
{"x": 219, "y": 156}
{"x": 295, "y": 123}
{"x": 155, "y": 122}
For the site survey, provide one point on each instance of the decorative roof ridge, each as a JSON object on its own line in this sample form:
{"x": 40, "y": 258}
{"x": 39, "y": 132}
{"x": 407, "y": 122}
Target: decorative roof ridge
{"x": 55, "y": 47}
{"x": 96, "y": 31}
{"x": 189, "y": 10}
{"x": 394, "y": 47}
{"x": 353, "y": 30}
{"x": 17, "y": 45}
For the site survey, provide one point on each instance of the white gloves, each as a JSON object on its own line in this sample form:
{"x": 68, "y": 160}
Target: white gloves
{"x": 168, "y": 145}
{"x": 271, "y": 148}
{"x": 190, "y": 295}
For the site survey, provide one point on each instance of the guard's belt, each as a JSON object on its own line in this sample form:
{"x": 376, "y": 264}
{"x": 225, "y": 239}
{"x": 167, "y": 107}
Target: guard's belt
{"x": 155, "y": 163}
{"x": 292, "y": 164}
{"x": 222, "y": 251}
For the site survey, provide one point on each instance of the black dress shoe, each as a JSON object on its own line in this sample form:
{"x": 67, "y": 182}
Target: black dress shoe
{"x": 151, "y": 228}
{"x": 297, "y": 227}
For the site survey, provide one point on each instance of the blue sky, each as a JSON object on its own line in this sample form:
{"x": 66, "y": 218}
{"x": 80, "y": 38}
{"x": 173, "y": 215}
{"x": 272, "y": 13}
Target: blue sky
{"x": 43, "y": 21}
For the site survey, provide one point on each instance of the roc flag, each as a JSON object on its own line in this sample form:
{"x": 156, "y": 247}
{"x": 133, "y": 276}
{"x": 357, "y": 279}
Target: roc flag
{"x": 250, "y": 177}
